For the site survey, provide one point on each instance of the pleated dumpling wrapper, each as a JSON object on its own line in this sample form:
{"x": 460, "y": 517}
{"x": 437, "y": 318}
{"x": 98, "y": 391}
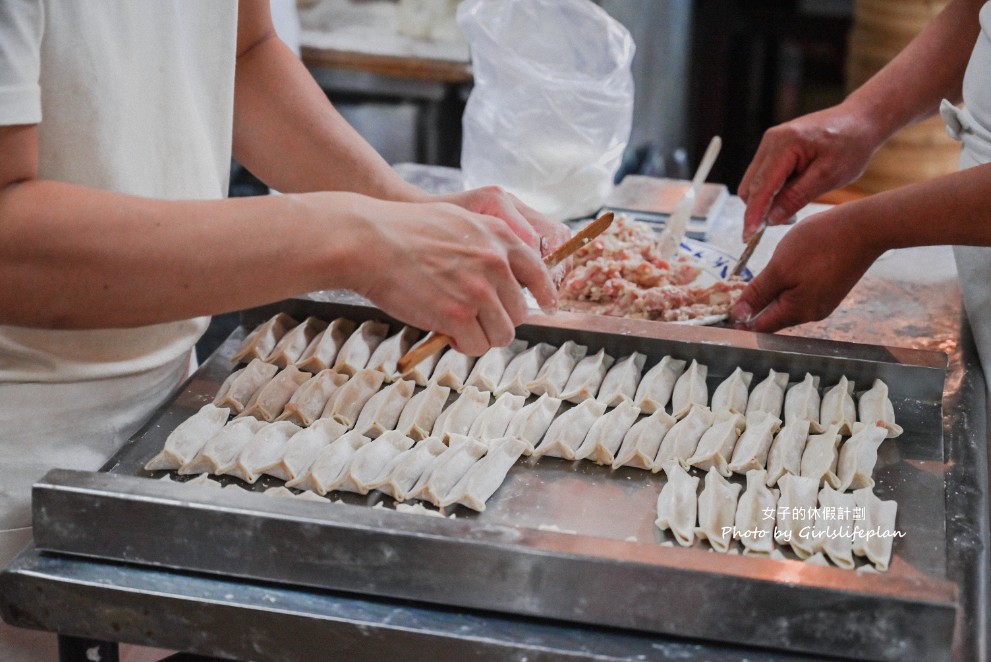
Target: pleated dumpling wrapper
{"x": 523, "y": 369}
{"x": 681, "y": 441}
{"x": 642, "y": 441}
{"x": 656, "y": 387}
{"x": 858, "y": 455}
{"x": 797, "y": 514}
{"x": 715, "y": 448}
{"x": 587, "y": 377}
{"x": 223, "y": 447}
{"x": 262, "y": 452}
{"x": 690, "y": 390}
{"x": 423, "y": 371}
{"x": 732, "y": 393}
{"x": 492, "y": 423}
{"x": 821, "y": 455}
{"x": 677, "y": 504}
{"x": 452, "y": 369}
{"x": 189, "y": 437}
{"x": 260, "y": 342}
{"x": 386, "y": 356}
{"x": 487, "y": 475}
{"x": 785, "y": 456}
{"x": 323, "y": 349}
{"x": 448, "y": 469}
{"x": 620, "y": 383}
{"x": 241, "y": 385}
{"x": 875, "y": 406}
{"x": 367, "y": 462}
{"x": 358, "y": 348}
{"x": 838, "y": 407}
{"x": 345, "y": 405}
{"x": 605, "y": 436}
{"x": 755, "y": 442}
{"x": 554, "y": 373}
{"x": 308, "y": 401}
{"x": 303, "y": 448}
{"x": 420, "y": 413}
{"x": 834, "y": 526}
{"x": 461, "y": 413}
{"x": 878, "y": 528}
{"x": 401, "y": 474}
{"x": 717, "y": 510}
{"x": 291, "y": 346}
{"x": 769, "y": 395}
{"x": 491, "y": 365}
{"x": 802, "y": 402}
{"x": 531, "y": 422}
{"x": 756, "y": 514}
{"x": 568, "y": 430}
{"x": 330, "y": 463}
{"x": 381, "y": 413}
{"x": 270, "y": 400}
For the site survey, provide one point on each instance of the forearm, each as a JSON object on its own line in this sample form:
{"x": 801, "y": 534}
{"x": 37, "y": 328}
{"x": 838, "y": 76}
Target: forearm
{"x": 73, "y": 257}
{"x": 931, "y": 68}
{"x": 290, "y": 136}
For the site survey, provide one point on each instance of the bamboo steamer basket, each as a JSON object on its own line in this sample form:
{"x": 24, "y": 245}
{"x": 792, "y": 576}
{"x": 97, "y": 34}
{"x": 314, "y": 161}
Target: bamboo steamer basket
{"x": 881, "y": 29}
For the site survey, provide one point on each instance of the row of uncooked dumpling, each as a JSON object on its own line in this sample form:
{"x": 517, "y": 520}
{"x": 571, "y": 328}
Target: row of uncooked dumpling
{"x": 816, "y": 523}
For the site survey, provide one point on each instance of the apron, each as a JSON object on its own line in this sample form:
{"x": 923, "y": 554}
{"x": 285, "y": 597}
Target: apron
{"x": 973, "y": 262}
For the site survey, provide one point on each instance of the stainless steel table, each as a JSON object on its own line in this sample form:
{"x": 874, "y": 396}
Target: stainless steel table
{"x": 908, "y": 299}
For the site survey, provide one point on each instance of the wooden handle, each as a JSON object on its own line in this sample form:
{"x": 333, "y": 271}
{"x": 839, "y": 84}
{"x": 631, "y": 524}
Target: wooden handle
{"x": 435, "y": 342}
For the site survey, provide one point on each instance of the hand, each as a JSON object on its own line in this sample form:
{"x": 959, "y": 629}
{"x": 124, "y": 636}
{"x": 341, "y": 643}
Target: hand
{"x": 439, "y": 267}
{"x": 813, "y": 268}
{"x": 535, "y": 229}
{"x": 800, "y": 160}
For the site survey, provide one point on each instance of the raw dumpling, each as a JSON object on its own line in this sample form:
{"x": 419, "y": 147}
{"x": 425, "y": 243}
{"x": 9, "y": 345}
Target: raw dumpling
{"x": 875, "y": 406}
{"x": 835, "y": 533}
{"x": 260, "y": 342}
{"x": 858, "y": 455}
{"x": 820, "y": 456}
{"x": 386, "y": 356}
{"x": 303, "y": 448}
{"x": 802, "y": 402}
{"x": 606, "y": 434}
{"x": 681, "y": 441}
{"x": 755, "y": 442}
{"x": 690, "y": 390}
{"x": 221, "y": 449}
{"x": 553, "y": 375}
{"x": 358, "y": 348}
{"x": 485, "y": 476}
{"x": 717, "y": 510}
{"x": 492, "y": 364}
{"x": 640, "y": 444}
{"x": 238, "y": 389}
{"x": 756, "y": 514}
{"x": 523, "y": 369}
{"x": 263, "y": 451}
{"x": 401, "y": 474}
{"x": 677, "y": 504}
{"x": 531, "y": 422}
{"x": 330, "y": 463}
{"x": 292, "y": 345}
{"x": 381, "y": 412}
{"x": 492, "y": 423}
{"x": 347, "y": 402}
{"x": 732, "y": 393}
{"x": 367, "y": 462}
{"x": 421, "y": 412}
{"x": 322, "y": 351}
{"x": 421, "y": 372}
{"x": 769, "y": 395}
{"x": 448, "y": 469}
{"x": 587, "y": 376}
{"x": 878, "y": 524}
{"x": 269, "y": 401}
{"x": 568, "y": 430}
{"x": 457, "y": 418}
{"x": 797, "y": 514}
{"x": 838, "y": 407}
{"x": 715, "y": 448}
{"x": 189, "y": 437}
{"x": 620, "y": 383}
{"x": 453, "y": 369}
{"x": 657, "y": 385}
{"x": 308, "y": 402}
{"x": 785, "y": 456}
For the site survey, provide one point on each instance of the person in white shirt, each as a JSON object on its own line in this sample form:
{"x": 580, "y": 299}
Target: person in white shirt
{"x": 118, "y": 121}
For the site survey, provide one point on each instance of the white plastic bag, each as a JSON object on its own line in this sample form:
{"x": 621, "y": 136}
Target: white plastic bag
{"x": 550, "y": 112}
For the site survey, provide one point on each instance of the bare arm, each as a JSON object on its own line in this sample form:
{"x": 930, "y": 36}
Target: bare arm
{"x": 800, "y": 160}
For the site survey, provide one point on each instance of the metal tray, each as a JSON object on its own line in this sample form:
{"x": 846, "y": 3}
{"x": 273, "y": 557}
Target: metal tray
{"x": 559, "y": 540}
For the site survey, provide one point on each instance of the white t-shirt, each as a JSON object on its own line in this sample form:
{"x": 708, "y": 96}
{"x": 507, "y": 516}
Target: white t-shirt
{"x": 133, "y": 97}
